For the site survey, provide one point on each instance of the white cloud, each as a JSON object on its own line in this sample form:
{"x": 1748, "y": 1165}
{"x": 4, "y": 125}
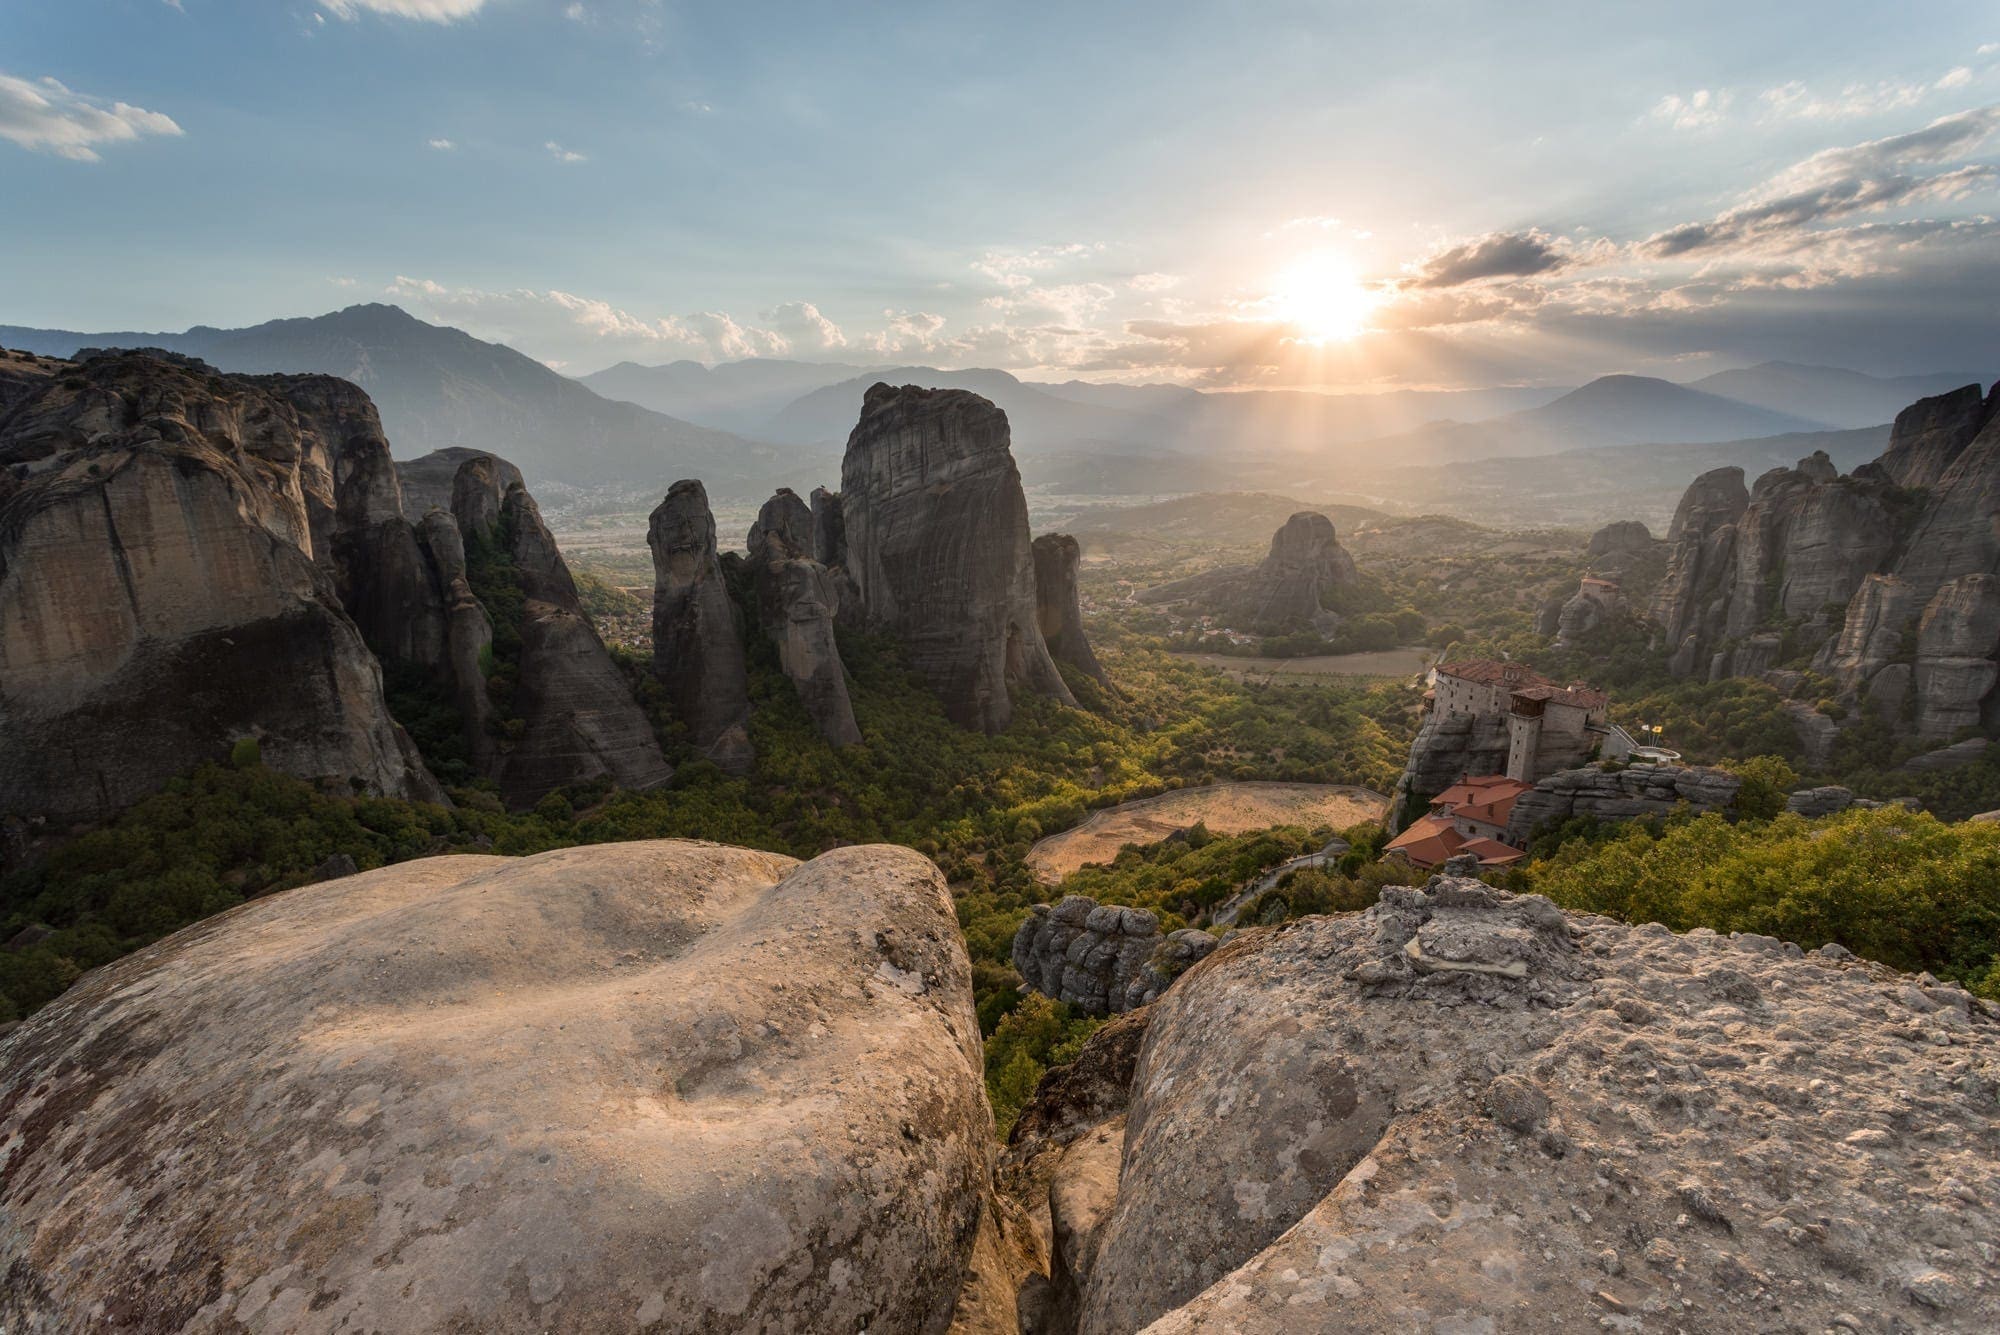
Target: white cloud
{"x": 341, "y": 282}
{"x": 561, "y": 154}
{"x": 803, "y": 327}
{"x": 1153, "y": 282}
{"x": 1989, "y": 49}
{"x": 575, "y": 12}
{"x": 424, "y": 11}
{"x": 442, "y": 145}
{"x": 1795, "y": 101}
{"x": 1016, "y": 268}
{"x": 1700, "y": 110}
{"x": 46, "y": 117}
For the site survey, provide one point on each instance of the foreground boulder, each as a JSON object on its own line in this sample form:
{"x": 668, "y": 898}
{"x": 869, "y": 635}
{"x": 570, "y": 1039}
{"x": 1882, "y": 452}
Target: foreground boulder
{"x": 935, "y": 538}
{"x": 1464, "y": 1110}
{"x": 666, "y": 1086}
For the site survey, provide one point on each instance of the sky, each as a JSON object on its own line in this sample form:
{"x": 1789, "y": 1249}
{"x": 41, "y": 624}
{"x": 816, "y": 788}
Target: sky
{"x": 1223, "y": 194}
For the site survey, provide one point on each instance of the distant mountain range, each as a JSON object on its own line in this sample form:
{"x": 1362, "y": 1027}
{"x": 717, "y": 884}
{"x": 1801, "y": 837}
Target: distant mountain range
{"x": 438, "y": 388}
{"x": 747, "y": 426}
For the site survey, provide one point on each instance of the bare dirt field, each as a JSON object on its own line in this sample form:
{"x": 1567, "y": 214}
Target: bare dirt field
{"x": 1226, "y": 808}
{"x": 1387, "y": 663}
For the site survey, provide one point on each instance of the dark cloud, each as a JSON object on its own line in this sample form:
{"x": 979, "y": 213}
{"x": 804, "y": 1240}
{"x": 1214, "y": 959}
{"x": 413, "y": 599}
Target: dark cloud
{"x": 1495, "y": 255}
{"x": 1841, "y": 183}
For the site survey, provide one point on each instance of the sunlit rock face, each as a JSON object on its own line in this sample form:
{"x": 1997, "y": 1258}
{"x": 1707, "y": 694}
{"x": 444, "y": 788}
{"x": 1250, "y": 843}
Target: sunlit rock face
{"x": 697, "y": 630}
{"x": 937, "y": 544}
{"x": 159, "y": 598}
{"x": 643, "y": 1086}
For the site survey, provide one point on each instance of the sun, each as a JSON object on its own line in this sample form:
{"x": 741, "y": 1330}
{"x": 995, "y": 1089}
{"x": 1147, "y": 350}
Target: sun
{"x": 1321, "y": 297}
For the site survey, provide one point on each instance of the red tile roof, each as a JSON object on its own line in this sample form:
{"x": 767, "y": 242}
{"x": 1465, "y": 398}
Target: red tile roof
{"x": 1581, "y": 697}
{"x": 1431, "y": 839}
{"x": 1493, "y": 672}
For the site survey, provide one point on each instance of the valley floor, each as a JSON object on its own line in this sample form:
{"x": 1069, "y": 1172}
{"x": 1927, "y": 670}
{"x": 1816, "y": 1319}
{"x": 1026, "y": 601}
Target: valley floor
{"x": 1224, "y": 808}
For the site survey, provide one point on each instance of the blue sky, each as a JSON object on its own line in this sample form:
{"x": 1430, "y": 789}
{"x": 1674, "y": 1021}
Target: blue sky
{"x": 1229, "y": 194}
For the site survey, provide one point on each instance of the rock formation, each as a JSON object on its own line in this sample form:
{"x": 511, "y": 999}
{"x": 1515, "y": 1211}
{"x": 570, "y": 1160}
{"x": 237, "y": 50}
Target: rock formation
{"x": 1620, "y": 794}
{"x": 636, "y": 1086}
{"x": 1448, "y": 747}
{"x": 937, "y": 544}
{"x": 429, "y": 479}
{"x": 1060, "y": 607}
{"x": 581, "y": 721}
{"x": 1464, "y": 1110}
{"x": 1849, "y": 570}
{"x": 1622, "y": 537}
{"x": 1594, "y": 602}
{"x": 159, "y": 598}
{"x": 697, "y": 631}
{"x": 797, "y": 601}
{"x": 1288, "y": 590}
{"x": 1100, "y": 958}
{"x": 829, "y": 529}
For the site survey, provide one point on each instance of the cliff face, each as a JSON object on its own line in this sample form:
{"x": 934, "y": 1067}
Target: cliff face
{"x": 697, "y": 631}
{"x": 159, "y": 598}
{"x": 582, "y": 721}
{"x": 1852, "y": 569}
{"x": 1059, "y": 606}
{"x": 937, "y": 544}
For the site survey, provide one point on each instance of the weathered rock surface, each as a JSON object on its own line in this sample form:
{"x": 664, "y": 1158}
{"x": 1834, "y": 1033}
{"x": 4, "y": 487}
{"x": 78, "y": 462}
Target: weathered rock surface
{"x": 1621, "y": 794}
{"x": 1102, "y": 959}
{"x": 797, "y": 601}
{"x": 1448, "y": 747}
{"x": 639, "y": 1086}
{"x": 1595, "y": 602}
{"x": 937, "y": 544}
{"x": 582, "y": 722}
{"x": 697, "y": 631}
{"x": 1958, "y": 641}
{"x": 159, "y": 599}
{"x": 1892, "y": 543}
{"x": 1956, "y": 756}
{"x": 1059, "y": 605}
{"x": 1465, "y": 1110}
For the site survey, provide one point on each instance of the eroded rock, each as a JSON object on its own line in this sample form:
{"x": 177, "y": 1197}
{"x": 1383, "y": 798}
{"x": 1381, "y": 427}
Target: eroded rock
{"x": 697, "y": 631}
{"x": 638, "y": 1086}
{"x": 1102, "y": 959}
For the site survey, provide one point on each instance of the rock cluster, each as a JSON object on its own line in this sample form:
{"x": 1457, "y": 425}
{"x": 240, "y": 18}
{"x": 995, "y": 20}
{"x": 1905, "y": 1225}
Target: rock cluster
{"x": 1101, "y": 958}
{"x": 1885, "y": 576}
{"x": 936, "y": 542}
{"x": 1621, "y": 794}
{"x": 1464, "y": 1110}
{"x": 927, "y": 543}
{"x": 1288, "y": 591}
{"x": 643, "y": 1086}
{"x": 159, "y": 596}
{"x": 1448, "y": 747}
{"x": 1594, "y": 603}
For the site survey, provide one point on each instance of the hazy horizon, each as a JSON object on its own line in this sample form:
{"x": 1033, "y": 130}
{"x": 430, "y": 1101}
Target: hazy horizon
{"x": 1350, "y": 199}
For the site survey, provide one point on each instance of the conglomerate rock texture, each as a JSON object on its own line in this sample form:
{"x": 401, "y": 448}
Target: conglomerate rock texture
{"x": 646, "y": 1086}
{"x": 1467, "y": 1111}
{"x": 1101, "y": 958}
{"x": 1060, "y": 605}
{"x": 159, "y": 598}
{"x": 697, "y": 629}
{"x": 936, "y": 542}
{"x": 1621, "y": 794}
